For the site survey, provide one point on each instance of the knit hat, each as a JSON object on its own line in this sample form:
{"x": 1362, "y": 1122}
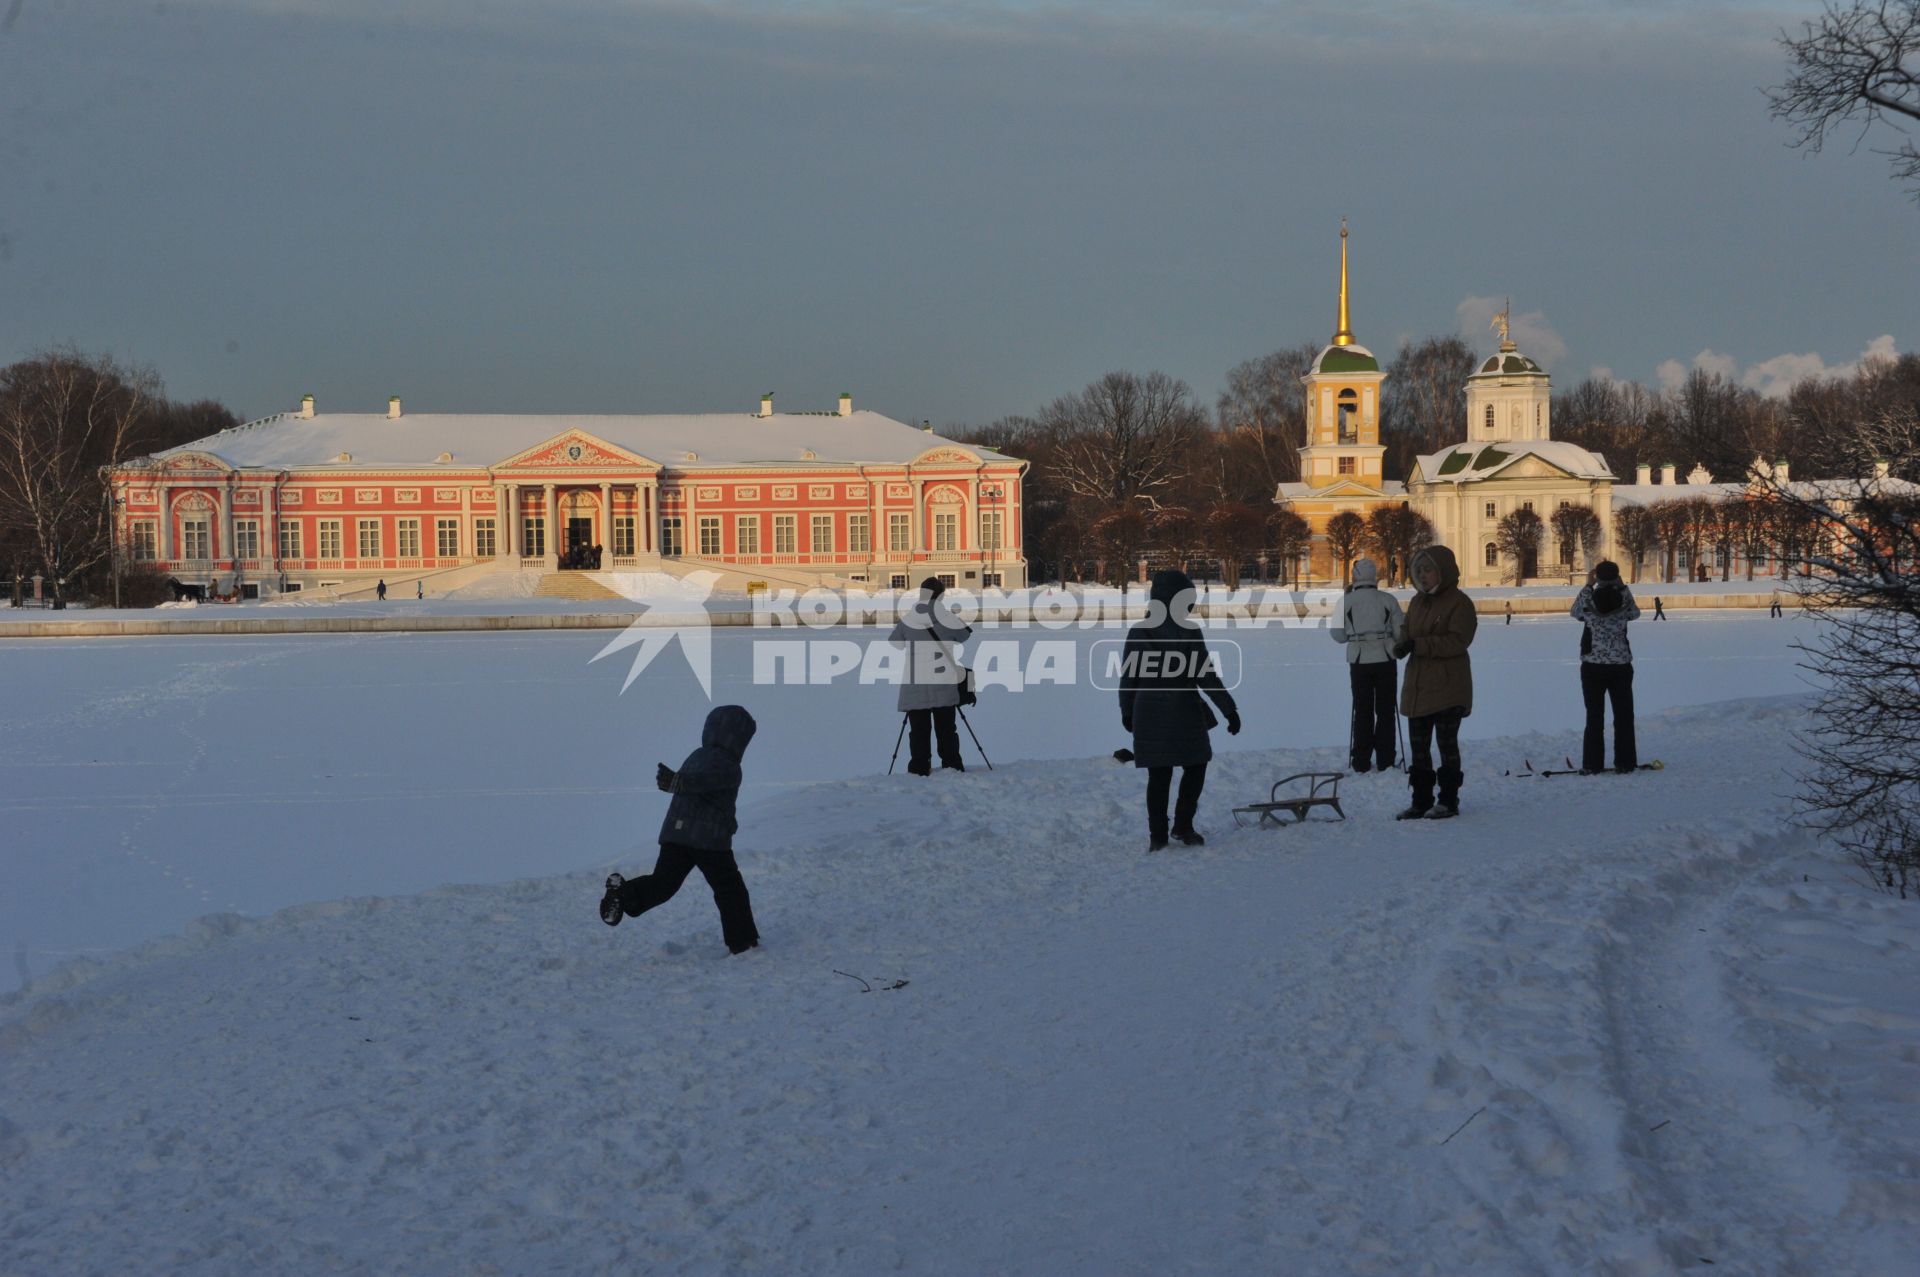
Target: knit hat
{"x": 1607, "y": 571}
{"x": 1365, "y": 573}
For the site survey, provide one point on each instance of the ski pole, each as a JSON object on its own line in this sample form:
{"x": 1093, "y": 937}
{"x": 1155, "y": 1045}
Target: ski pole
{"x": 1400, "y": 733}
{"x": 896, "y": 745}
{"x": 976, "y": 739}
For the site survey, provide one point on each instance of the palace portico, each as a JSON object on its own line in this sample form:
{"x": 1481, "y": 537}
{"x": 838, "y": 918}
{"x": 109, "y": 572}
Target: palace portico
{"x": 305, "y": 499}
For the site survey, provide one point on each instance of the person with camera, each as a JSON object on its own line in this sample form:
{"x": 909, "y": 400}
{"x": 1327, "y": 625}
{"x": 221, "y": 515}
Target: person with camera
{"x": 936, "y": 683}
{"x": 1605, "y": 604}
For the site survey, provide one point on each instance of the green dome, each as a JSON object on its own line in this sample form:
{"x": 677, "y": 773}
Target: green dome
{"x": 1510, "y": 364}
{"x": 1346, "y": 359}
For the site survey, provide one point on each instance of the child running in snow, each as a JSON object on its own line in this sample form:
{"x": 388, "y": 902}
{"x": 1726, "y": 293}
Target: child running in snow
{"x": 698, "y": 833}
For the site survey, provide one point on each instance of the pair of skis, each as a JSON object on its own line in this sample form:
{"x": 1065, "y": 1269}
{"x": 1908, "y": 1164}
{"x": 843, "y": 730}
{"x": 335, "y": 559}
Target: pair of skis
{"x": 1570, "y": 770}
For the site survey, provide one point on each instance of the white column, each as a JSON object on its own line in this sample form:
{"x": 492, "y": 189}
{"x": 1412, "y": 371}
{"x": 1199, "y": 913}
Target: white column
{"x": 166, "y": 523}
{"x": 226, "y": 523}
{"x": 550, "y": 520}
{"x": 606, "y": 520}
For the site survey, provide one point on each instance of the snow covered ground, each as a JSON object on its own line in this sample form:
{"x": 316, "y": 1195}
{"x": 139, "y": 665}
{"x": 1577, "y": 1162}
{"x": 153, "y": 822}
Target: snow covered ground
{"x": 1607, "y": 1025}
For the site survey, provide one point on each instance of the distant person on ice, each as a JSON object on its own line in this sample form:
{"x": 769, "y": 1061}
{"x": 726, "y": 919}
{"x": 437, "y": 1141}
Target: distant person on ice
{"x": 1370, "y": 624}
{"x": 1659, "y": 612}
{"x": 380, "y": 590}
{"x": 698, "y": 833}
{"x": 931, "y": 692}
{"x": 1606, "y": 668}
{"x": 1164, "y": 668}
{"x": 1438, "y": 689}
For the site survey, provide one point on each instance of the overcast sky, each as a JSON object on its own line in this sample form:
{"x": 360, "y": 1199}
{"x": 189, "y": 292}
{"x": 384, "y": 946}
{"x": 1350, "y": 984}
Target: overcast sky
{"x": 955, "y": 211}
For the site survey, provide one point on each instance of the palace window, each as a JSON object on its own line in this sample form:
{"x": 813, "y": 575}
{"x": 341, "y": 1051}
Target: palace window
{"x": 1489, "y": 416}
{"x": 446, "y": 538}
{"x": 533, "y": 538}
{"x": 672, "y": 538}
{"x": 746, "y": 534}
{"x": 1566, "y": 554}
{"x": 990, "y": 580}
{"x": 898, "y": 581}
{"x": 786, "y": 534}
{"x": 991, "y": 522}
{"x": 946, "y": 531}
{"x": 330, "y": 539}
{"x": 823, "y": 534}
{"x": 709, "y": 536}
{"x": 1493, "y": 511}
{"x": 195, "y": 540}
{"x": 899, "y": 533}
{"x": 289, "y": 539}
{"x": 409, "y": 538}
{"x": 369, "y": 534}
{"x": 146, "y": 541}
{"x": 1526, "y": 505}
{"x": 246, "y": 538}
{"x": 860, "y": 533}
{"x": 483, "y": 538}
{"x": 1491, "y": 556}
{"x": 623, "y": 534}
{"x": 1347, "y": 465}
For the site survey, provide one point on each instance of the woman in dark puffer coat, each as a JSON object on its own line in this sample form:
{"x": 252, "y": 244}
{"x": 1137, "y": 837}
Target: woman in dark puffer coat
{"x": 1165, "y": 667}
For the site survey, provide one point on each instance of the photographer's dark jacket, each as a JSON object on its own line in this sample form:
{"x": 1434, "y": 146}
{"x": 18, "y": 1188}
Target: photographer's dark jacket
{"x": 1606, "y": 607}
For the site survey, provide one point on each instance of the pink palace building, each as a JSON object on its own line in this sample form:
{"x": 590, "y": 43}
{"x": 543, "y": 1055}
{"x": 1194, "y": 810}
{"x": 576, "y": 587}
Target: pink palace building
{"x": 306, "y": 500}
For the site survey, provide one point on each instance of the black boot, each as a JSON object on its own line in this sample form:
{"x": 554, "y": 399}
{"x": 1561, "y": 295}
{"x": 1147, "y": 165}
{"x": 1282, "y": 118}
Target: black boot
{"x": 1422, "y": 781}
{"x": 1449, "y": 804}
{"x": 610, "y": 910}
{"x": 1189, "y": 836}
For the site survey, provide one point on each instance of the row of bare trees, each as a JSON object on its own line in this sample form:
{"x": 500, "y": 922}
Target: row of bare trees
{"x": 1144, "y": 442}
{"x": 64, "y": 416}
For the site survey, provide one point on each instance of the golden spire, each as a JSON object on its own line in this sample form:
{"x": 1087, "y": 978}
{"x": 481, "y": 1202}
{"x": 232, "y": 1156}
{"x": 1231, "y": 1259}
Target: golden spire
{"x": 1503, "y": 322}
{"x": 1343, "y": 337}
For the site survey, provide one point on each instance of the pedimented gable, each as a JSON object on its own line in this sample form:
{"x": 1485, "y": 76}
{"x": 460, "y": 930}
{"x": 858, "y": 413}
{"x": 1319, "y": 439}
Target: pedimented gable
{"x": 573, "y": 450}
{"x": 1533, "y": 467}
{"x": 947, "y": 455}
{"x": 194, "y": 461}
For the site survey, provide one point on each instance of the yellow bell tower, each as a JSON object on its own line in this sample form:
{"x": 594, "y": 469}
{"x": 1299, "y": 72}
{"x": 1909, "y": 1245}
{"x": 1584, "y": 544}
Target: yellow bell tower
{"x": 1343, "y": 407}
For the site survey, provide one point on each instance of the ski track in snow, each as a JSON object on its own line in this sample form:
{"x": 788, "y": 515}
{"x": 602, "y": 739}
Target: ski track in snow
{"x": 1357, "y": 1047}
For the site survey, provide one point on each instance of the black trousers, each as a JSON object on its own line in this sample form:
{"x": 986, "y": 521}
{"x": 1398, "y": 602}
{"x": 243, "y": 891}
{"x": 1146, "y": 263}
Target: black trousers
{"x": 938, "y": 723}
{"x": 1159, "y": 781}
{"x": 1421, "y": 732}
{"x": 722, "y": 874}
{"x": 1598, "y": 685}
{"x": 1370, "y": 742}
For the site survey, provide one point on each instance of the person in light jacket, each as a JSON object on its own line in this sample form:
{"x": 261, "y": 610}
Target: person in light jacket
{"x": 931, "y": 692}
{"x": 1606, "y": 606}
{"x": 1437, "y": 691}
{"x": 1370, "y": 623}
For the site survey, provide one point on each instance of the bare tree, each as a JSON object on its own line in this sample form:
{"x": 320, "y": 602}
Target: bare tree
{"x": 1635, "y": 532}
{"x": 1518, "y": 537}
{"x": 64, "y": 416}
{"x": 1262, "y": 416}
{"x": 1857, "y": 64}
{"x": 1234, "y": 534}
{"x": 1672, "y": 520}
{"x": 1863, "y": 785}
{"x": 1175, "y": 531}
{"x": 1346, "y": 532}
{"x": 1421, "y": 405}
{"x": 1119, "y": 535}
{"x": 1125, "y": 438}
{"x": 1394, "y": 532}
{"x": 1577, "y": 528}
{"x": 1288, "y": 538}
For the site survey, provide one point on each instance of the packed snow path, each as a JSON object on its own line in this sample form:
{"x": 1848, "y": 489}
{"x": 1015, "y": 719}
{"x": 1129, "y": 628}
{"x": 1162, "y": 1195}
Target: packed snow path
{"x": 1609, "y": 1025}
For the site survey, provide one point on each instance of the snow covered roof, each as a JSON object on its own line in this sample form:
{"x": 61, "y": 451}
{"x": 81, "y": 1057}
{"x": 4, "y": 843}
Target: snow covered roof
{"x": 1649, "y": 493}
{"x": 1470, "y": 462}
{"x": 481, "y": 439}
{"x": 1347, "y": 487}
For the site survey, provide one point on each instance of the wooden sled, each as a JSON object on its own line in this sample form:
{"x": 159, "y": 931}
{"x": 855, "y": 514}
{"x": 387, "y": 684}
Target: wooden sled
{"x": 1322, "y": 789}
